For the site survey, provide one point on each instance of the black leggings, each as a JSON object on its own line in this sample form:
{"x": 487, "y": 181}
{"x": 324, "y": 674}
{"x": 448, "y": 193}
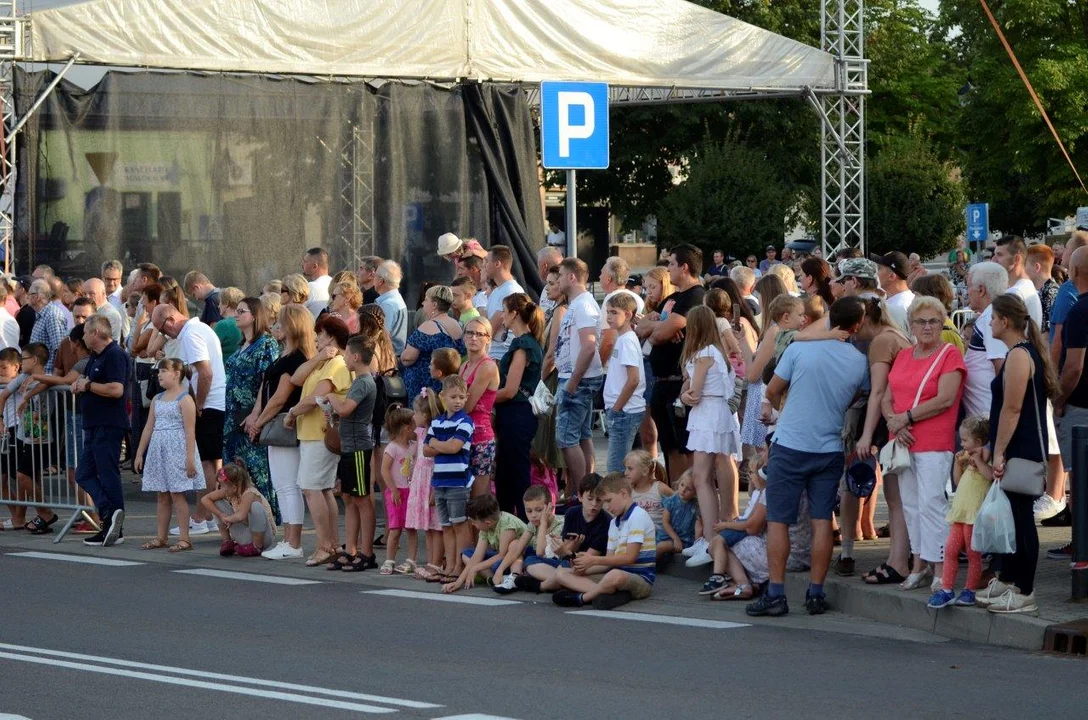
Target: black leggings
{"x": 1019, "y": 568}
{"x": 515, "y": 427}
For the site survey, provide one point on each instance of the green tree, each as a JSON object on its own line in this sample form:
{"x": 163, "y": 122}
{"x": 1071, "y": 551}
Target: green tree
{"x": 731, "y": 198}
{"x": 1008, "y": 155}
{"x": 914, "y": 202}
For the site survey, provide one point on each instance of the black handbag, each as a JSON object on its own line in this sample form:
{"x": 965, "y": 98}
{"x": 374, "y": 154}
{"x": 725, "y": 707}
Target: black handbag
{"x": 274, "y": 434}
{"x": 394, "y": 390}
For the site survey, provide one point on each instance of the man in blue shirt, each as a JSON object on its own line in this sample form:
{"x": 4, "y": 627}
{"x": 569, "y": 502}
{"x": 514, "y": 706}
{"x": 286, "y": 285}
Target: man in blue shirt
{"x": 387, "y": 284}
{"x": 806, "y": 456}
{"x": 101, "y": 393}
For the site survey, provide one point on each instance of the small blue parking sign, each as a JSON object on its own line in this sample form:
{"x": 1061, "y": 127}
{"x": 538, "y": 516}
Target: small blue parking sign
{"x": 978, "y": 222}
{"x": 574, "y": 125}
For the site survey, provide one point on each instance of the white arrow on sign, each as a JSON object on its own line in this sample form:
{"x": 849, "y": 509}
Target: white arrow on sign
{"x": 977, "y": 234}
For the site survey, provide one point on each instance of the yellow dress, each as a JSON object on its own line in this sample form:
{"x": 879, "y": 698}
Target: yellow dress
{"x": 969, "y": 496}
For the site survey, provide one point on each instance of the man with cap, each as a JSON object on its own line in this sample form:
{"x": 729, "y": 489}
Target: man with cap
{"x": 893, "y": 273}
{"x": 858, "y": 278}
{"x": 765, "y": 265}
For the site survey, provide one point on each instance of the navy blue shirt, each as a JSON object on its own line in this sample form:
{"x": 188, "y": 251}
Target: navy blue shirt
{"x": 108, "y": 366}
{"x": 596, "y": 532}
{"x": 1075, "y": 337}
{"x": 210, "y": 315}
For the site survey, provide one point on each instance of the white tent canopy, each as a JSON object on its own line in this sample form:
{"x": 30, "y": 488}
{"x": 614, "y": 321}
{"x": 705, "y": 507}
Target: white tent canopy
{"x": 627, "y": 43}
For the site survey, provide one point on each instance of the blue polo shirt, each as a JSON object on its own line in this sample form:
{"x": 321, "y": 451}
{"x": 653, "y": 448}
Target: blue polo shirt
{"x": 452, "y": 470}
{"x": 108, "y": 366}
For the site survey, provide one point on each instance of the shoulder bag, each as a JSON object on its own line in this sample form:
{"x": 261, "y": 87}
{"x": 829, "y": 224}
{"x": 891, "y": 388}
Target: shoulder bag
{"x": 1027, "y": 477}
{"x": 274, "y": 434}
{"x": 895, "y": 456}
{"x": 542, "y": 400}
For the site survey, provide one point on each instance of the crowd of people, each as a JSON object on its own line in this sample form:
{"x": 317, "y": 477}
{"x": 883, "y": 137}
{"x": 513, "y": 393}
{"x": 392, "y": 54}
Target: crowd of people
{"x": 471, "y": 421}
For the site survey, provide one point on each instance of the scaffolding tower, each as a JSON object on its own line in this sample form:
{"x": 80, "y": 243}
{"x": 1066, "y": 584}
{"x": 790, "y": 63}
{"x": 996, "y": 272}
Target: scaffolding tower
{"x": 10, "y": 41}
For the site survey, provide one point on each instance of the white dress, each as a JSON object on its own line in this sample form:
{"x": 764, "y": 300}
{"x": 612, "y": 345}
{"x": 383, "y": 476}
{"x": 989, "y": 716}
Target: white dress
{"x": 712, "y": 428}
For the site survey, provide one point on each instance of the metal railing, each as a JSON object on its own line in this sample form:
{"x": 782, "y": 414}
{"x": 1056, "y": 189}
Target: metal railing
{"x": 39, "y": 454}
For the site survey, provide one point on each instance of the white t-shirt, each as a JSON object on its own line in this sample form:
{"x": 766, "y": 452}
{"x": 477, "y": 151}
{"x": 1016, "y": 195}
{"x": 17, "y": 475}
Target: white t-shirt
{"x": 479, "y": 301}
{"x": 9, "y": 329}
{"x": 982, "y": 350}
{"x": 1026, "y": 290}
{"x": 557, "y": 239}
{"x": 583, "y": 312}
{"x": 626, "y": 353}
{"x": 199, "y": 342}
{"x": 501, "y": 342}
{"x": 899, "y": 309}
{"x": 319, "y": 295}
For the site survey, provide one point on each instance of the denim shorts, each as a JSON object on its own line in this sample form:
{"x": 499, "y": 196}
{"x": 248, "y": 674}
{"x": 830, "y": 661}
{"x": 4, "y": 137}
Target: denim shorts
{"x": 791, "y": 473}
{"x": 531, "y": 558}
{"x": 574, "y": 416}
{"x": 450, "y": 503}
{"x": 622, "y": 431}
{"x": 732, "y": 537}
{"x": 488, "y": 554}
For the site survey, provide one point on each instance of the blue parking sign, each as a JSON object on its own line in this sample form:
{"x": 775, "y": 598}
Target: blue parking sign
{"x": 978, "y": 222}
{"x": 574, "y": 125}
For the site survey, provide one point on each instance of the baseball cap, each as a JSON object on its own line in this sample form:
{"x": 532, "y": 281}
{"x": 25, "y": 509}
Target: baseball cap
{"x": 634, "y": 281}
{"x": 861, "y": 477}
{"x": 770, "y": 247}
{"x": 26, "y": 281}
{"x": 448, "y": 243}
{"x": 858, "y": 268}
{"x": 896, "y": 261}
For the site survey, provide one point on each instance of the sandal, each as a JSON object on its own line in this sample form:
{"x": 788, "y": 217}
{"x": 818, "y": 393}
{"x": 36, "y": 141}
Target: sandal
{"x": 408, "y": 567}
{"x": 917, "y": 580}
{"x": 180, "y": 546}
{"x": 320, "y": 557}
{"x": 884, "y": 574}
{"x": 387, "y": 567}
{"x": 425, "y": 573}
{"x": 736, "y": 592}
{"x": 355, "y": 563}
{"x": 155, "y": 544}
{"x": 9, "y": 525}
{"x": 339, "y": 562}
{"x": 39, "y": 526}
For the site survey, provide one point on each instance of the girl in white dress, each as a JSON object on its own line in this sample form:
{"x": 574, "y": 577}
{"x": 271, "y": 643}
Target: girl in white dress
{"x": 713, "y": 432}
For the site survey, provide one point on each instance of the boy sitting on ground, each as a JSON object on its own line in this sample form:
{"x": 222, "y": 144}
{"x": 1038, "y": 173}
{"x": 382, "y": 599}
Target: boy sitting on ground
{"x": 585, "y": 532}
{"x": 629, "y": 566}
{"x": 498, "y": 532}
{"x": 543, "y": 536}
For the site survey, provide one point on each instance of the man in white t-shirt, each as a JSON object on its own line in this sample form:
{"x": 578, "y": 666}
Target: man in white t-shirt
{"x": 614, "y": 274}
{"x": 199, "y": 348}
{"x": 1011, "y": 253}
{"x": 579, "y": 366}
{"x": 315, "y": 267}
{"x": 556, "y": 237}
{"x": 894, "y": 268}
{"x": 984, "y": 355}
{"x": 497, "y": 269}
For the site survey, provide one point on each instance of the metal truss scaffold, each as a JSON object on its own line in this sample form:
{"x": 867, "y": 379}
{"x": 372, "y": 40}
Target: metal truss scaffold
{"x": 355, "y": 153}
{"x": 10, "y": 42}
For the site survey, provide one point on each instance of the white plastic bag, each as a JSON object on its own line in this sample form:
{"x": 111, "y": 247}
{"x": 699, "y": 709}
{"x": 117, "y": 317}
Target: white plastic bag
{"x": 994, "y": 531}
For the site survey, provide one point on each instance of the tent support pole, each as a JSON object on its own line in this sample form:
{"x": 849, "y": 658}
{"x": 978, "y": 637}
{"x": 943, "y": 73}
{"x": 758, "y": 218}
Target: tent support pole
{"x": 572, "y": 213}
{"x": 41, "y": 98}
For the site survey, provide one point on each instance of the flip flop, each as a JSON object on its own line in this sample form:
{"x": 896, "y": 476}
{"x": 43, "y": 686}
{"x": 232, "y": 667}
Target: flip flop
{"x": 8, "y": 525}
{"x": 889, "y": 575}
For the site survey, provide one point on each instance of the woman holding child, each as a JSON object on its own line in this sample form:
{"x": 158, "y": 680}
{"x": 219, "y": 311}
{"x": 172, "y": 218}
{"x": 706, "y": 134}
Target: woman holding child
{"x": 438, "y": 330}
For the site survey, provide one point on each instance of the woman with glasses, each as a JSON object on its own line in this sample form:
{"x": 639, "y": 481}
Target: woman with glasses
{"x": 481, "y": 374}
{"x": 921, "y": 406}
{"x": 345, "y": 299}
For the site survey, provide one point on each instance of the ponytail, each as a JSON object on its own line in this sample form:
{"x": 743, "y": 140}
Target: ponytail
{"x": 1012, "y": 308}
{"x": 529, "y": 313}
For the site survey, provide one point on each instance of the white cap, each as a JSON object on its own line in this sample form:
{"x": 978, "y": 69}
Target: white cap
{"x": 448, "y": 244}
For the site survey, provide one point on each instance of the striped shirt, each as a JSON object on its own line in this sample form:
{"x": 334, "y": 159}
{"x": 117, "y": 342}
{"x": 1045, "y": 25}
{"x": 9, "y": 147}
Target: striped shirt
{"x": 452, "y": 470}
{"x": 635, "y": 526}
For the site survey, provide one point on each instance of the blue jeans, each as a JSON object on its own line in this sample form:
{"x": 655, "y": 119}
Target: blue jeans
{"x": 732, "y": 537}
{"x": 574, "y": 416}
{"x": 488, "y": 554}
{"x": 99, "y": 471}
{"x": 622, "y": 431}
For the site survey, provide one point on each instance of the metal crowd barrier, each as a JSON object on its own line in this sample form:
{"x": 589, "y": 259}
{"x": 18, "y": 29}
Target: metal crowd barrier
{"x": 39, "y": 454}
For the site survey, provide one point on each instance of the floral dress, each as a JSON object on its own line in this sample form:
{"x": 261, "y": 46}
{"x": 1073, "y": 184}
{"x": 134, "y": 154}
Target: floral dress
{"x": 245, "y": 368}
{"x": 421, "y": 512}
{"x": 418, "y": 374}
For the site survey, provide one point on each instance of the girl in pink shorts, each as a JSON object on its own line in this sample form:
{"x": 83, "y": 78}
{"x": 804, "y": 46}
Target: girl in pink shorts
{"x": 396, "y": 473}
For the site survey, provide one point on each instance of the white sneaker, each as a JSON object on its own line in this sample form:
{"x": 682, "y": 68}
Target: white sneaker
{"x": 1047, "y": 507}
{"x": 195, "y": 528}
{"x": 282, "y": 551}
{"x": 700, "y": 558}
{"x": 1013, "y": 602}
{"x": 700, "y": 545}
{"x": 212, "y": 525}
{"x": 992, "y": 593}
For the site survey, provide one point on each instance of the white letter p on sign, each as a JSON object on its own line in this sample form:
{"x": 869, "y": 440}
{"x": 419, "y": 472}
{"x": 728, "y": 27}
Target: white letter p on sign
{"x": 567, "y": 131}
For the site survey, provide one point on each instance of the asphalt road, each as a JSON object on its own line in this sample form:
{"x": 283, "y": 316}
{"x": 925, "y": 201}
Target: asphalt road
{"x": 145, "y": 640}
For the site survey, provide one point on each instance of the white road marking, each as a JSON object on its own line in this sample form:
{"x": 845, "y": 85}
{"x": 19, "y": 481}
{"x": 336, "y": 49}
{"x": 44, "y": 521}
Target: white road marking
{"x": 437, "y": 597}
{"x": 5, "y": 716}
{"x": 470, "y": 716}
{"x": 201, "y": 684}
{"x": 86, "y": 559}
{"x": 220, "y": 676}
{"x": 252, "y": 577}
{"x": 663, "y": 619}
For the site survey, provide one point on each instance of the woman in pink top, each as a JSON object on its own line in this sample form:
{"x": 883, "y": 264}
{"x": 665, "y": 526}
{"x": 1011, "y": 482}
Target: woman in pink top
{"x": 923, "y": 399}
{"x": 482, "y": 376}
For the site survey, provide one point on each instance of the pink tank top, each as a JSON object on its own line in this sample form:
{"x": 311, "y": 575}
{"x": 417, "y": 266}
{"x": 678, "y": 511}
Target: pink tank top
{"x": 481, "y": 414}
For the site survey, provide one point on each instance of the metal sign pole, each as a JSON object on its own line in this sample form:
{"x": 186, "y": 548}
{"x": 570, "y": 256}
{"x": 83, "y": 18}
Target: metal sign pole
{"x": 572, "y": 214}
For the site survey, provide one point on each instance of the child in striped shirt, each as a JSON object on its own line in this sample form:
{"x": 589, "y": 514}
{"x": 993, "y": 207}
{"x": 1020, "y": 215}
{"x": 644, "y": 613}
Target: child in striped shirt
{"x": 449, "y": 442}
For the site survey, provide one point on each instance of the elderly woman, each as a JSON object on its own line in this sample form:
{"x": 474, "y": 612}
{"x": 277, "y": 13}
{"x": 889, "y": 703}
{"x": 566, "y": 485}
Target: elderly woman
{"x": 245, "y": 368}
{"x": 938, "y": 286}
{"x": 324, "y": 373}
{"x": 295, "y": 290}
{"x": 438, "y": 330}
{"x": 1018, "y": 429}
{"x": 345, "y": 299}
{"x": 921, "y": 406}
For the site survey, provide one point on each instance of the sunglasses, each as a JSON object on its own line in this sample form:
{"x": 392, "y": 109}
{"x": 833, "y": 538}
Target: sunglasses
{"x": 476, "y": 333}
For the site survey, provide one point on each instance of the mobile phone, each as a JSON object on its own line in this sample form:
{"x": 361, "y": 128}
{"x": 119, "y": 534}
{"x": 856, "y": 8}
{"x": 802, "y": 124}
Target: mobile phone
{"x": 571, "y": 536}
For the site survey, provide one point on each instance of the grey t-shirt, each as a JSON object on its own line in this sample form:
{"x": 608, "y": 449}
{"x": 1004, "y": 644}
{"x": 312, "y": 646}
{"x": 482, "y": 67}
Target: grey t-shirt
{"x": 356, "y": 429}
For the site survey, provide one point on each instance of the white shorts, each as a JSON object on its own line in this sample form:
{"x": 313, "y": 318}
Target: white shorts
{"x": 316, "y": 466}
{"x": 1053, "y": 446}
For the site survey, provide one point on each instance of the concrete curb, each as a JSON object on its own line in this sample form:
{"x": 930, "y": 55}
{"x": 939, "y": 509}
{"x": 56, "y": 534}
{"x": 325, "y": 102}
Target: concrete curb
{"x": 889, "y": 604}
